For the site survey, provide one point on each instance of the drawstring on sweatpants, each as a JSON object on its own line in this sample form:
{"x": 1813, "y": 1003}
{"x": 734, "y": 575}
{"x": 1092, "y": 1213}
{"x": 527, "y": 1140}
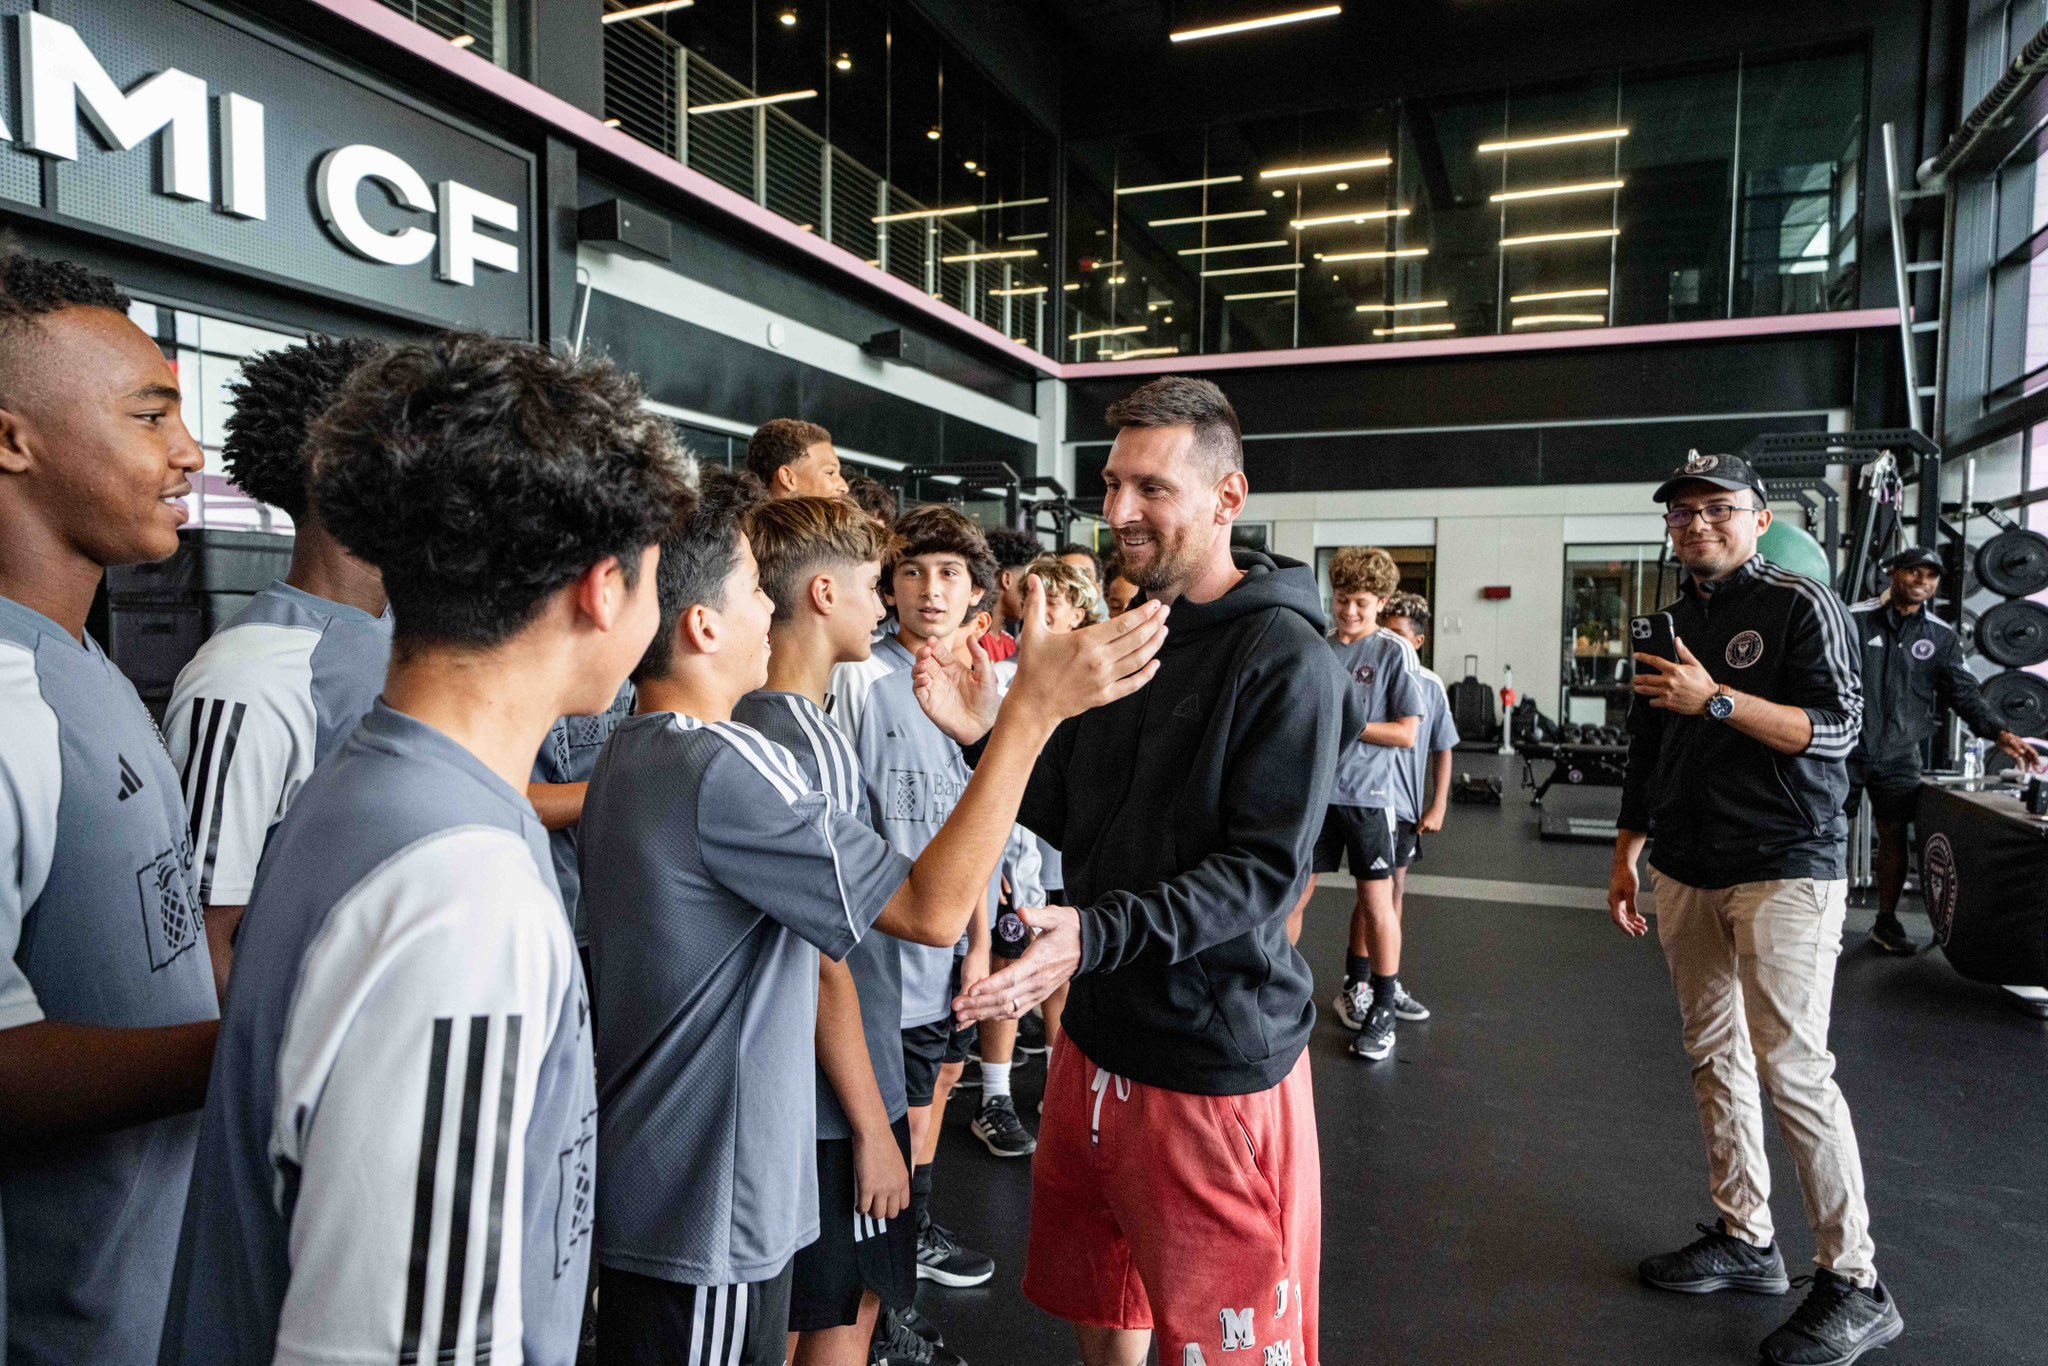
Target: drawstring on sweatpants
{"x": 1100, "y": 1086}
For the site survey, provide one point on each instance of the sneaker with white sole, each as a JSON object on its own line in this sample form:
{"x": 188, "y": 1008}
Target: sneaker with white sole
{"x": 1407, "y": 1007}
{"x": 941, "y": 1258}
{"x": 1000, "y": 1131}
{"x": 1353, "y": 1004}
{"x": 1376, "y": 1039}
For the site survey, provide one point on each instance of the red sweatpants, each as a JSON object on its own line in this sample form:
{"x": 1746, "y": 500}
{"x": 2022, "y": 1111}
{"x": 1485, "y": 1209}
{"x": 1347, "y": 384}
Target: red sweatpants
{"x": 1199, "y": 1217}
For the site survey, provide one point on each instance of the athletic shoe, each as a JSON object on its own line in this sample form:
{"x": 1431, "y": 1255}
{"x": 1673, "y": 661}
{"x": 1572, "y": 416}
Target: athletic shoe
{"x": 917, "y": 1323}
{"x": 1031, "y": 1035}
{"x": 1407, "y": 1007}
{"x": 1376, "y": 1039}
{"x": 1891, "y": 937}
{"x": 897, "y": 1344}
{"x": 1836, "y": 1324}
{"x": 1000, "y": 1131}
{"x": 1353, "y": 1004}
{"x": 940, "y": 1258}
{"x": 1716, "y": 1261}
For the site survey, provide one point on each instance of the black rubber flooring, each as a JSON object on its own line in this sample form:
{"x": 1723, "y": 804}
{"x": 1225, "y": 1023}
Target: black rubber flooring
{"x": 1488, "y": 1190}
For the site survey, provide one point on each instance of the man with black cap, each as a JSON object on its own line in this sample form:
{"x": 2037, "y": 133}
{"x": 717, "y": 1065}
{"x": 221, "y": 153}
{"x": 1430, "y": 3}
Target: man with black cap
{"x": 1736, "y": 765}
{"x": 1913, "y": 674}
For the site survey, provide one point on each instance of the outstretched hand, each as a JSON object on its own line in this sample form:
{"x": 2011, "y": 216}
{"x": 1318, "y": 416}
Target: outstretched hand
{"x": 961, "y": 699}
{"x": 1047, "y": 964}
{"x": 1068, "y": 672}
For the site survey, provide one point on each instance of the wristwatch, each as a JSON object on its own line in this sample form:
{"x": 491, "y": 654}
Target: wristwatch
{"x": 1721, "y": 705}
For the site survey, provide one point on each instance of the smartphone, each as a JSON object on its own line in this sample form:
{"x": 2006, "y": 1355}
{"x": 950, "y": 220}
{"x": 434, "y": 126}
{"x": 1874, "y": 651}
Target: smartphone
{"x": 1654, "y": 635}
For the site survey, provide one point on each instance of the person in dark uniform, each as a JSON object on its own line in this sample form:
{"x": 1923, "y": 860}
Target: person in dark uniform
{"x": 1913, "y": 675}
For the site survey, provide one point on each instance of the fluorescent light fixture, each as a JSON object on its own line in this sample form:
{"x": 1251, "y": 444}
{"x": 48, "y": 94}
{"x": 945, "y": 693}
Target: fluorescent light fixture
{"x": 1403, "y": 308}
{"x": 1189, "y": 35}
{"x": 1552, "y": 191}
{"x": 959, "y": 257}
{"x": 1204, "y": 218}
{"x": 462, "y": 40}
{"x": 1254, "y": 270}
{"x": 641, "y": 11}
{"x": 1583, "y": 235}
{"x": 1328, "y": 168}
{"x": 1016, "y": 290}
{"x": 1108, "y": 332}
{"x": 753, "y": 101}
{"x": 1404, "y": 329}
{"x": 1070, "y": 287}
{"x": 955, "y": 211}
{"x": 1392, "y": 254}
{"x": 1106, "y": 265}
{"x": 845, "y": 63}
{"x": 1548, "y": 295}
{"x": 1554, "y": 140}
{"x": 1540, "y": 319}
{"x": 1118, "y": 279}
{"x": 1132, "y": 353}
{"x": 611, "y": 123}
{"x": 1362, "y": 216}
{"x": 1263, "y": 294}
{"x": 1180, "y": 184}
{"x": 1026, "y": 236}
{"x": 1231, "y": 246}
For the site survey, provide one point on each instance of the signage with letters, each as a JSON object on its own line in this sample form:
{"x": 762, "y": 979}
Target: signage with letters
{"x": 192, "y": 132}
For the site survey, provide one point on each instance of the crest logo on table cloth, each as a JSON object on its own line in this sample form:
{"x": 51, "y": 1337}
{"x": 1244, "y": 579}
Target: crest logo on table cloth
{"x": 1938, "y": 868}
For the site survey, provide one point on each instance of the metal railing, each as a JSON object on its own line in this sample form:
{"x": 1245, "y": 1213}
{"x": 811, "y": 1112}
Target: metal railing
{"x": 485, "y": 22}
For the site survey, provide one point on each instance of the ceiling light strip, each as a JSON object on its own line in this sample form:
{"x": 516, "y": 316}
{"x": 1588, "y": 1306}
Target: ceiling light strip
{"x": 1539, "y": 319}
{"x": 1179, "y": 184}
{"x": 1549, "y": 295}
{"x": 1403, "y": 308}
{"x": 1107, "y": 332}
{"x": 640, "y": 11}
{"x": 1555, "y": 191}
{"x": 1394, "y": 254}
{"x": 1254, "y": 270}
{"x": 1204, "y": 218}
{"x": 1364, "y": 216}
{"x": 1404, "y": 329}
{"x": 1554, "y": 140}
{"x": 963, "y": 256}
{"x": 1265, "y": 294}
{"x": 1016, "y": 290}
{"x": 753, "y": 102}
{"x": 1584, "y": 235}
{"x": 1230, "y": 246}
{"x": 1372, "y": 163}
{"x": 1190, "y": 35}
{"x": 957, "y": 209}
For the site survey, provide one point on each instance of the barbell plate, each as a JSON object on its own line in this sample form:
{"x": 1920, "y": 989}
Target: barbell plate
{"x": 2014, "y": 634}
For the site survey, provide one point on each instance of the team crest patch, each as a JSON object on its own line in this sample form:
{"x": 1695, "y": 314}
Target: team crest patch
{"x": 1745, "y": 650}
{"x": 1702, "y": 464}
{"x": 1923, "y": 649}
{"x": 1011, "y": 927}
{"x": 1938, "y": 868}
{"x": 1364, "y": 674}
{"x": 171, "y": 919}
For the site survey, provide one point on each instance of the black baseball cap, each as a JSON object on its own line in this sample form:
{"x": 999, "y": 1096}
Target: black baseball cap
{"x": 1722, "y": 471}
{"x": 1913, "y": 557}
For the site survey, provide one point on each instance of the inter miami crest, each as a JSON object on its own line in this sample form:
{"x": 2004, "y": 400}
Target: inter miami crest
{"x": 1745, "y": 650}
{"x": 1696, "y": 463}
{"x": 1364, "y": 674}
{"x": 1938, "y": 868}
{"x": 1923, "y": 649}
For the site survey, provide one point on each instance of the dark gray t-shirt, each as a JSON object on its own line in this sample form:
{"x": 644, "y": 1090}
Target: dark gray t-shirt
{"x": 1382, "y": 669}
{"x": 100, "y": 924}
{"x": 567, "y": 756}
{"x": 826, "y": 756}
{"x": 714, "y": 874}
{"x": 397, "y": 1148}
{"x": 1436, "y": 734}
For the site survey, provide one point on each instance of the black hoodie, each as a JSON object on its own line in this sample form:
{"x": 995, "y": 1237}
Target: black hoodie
{"x": 1187, "y": 813}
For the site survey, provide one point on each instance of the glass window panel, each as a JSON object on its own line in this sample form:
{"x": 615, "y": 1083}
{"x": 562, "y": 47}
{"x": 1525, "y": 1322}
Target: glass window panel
{"x": 1800, "y": 141}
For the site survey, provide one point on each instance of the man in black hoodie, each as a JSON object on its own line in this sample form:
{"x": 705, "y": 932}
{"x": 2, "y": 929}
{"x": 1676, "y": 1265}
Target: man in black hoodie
{"x": 1177, "y": 1183}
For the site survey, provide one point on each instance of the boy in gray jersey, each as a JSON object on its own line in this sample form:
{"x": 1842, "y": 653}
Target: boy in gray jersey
{"x": 1382, "y": 668}
{"x": 714, "y": 875}
{"x": 277, "y": 689}
{"x": 398, "y": 1144}
{"x": 1422, "y": 797}
{"x": 107, "y": 1004}
{"x": 933, "y": 579}
{"x": 561, "y": 780}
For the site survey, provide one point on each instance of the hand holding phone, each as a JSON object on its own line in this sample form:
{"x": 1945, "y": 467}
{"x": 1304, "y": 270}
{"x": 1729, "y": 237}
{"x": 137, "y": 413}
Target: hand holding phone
{"x": 1655, "y": 634}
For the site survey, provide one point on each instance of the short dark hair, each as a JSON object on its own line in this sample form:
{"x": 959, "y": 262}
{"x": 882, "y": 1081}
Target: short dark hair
{"x": 482, "y": 474}
{"x": 32, "y": 287}
{"x": 1184, "y": 401}
{"x": 874, "y": 497}
{"x": 796, "y": 538}
{"x": 781, "y": 441}
{"x": 698, "y": 556}
{"x": 276, "y": 398}
{"x": 935, "y": 529}
{"x": 1409, "y": 606}
{"x": 1013, "y": 549}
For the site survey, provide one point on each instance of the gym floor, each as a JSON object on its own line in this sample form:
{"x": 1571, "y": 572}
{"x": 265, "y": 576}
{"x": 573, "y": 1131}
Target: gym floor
{"x": 1488, "y": 1190}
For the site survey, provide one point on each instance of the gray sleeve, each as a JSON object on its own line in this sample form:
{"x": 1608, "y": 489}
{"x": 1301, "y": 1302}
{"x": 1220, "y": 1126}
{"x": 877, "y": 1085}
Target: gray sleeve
{"x": 1443, "y": 731}
{"x": 787, "y": 851}
{"x": 1403, "y": 695}
{"x": 31, "y": 785}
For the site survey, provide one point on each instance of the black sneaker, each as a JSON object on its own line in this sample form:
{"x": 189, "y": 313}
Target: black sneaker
{"x": 1836, "y": 1324}
{"x": 1890, "y": 937}
{"x": 940, "y": 1258}
{"x": 1353, "y": 1004}
{"x": 896, "y": 1343}
{"x": 1717, "y": 1261}
{"x": 1000, "y": 1131}
{"x": 1407, "y": 1007}
{"x": 1031, "y": 1035}
{"x": 917, "y": 1323}
{"x": 1376, "y": 1040}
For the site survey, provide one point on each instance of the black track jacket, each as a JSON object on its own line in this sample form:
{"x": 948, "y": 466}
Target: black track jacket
{"x": 1187, "y": 813}
{"x": 1913, "y": 673}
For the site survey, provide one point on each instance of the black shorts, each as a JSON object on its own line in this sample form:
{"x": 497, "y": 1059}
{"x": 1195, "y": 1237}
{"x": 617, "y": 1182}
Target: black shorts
{"x": 642, "y": 1321}
{"x": 1893, "y": 782}
{"x": 1365, "y": 834}
{"x": 928, "y": 1047}
{"x": 854, "y": 1253}
{"x": 1407, "y": 844}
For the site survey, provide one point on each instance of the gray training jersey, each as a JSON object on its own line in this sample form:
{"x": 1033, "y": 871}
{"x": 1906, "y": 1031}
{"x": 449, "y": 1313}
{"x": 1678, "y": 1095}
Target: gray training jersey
{"x": 826, "y": 756}
{"x": 397, "y": 1149}
{"x": 1382, "y": 669}
{"x": 916, "y": 775}
{"x": 272, "y": 694}
{"x": 714, "y": 875}
{"x": 100, "y": 924}
{"x": 1436, "y": 734}
{"x": 567, "y": 756}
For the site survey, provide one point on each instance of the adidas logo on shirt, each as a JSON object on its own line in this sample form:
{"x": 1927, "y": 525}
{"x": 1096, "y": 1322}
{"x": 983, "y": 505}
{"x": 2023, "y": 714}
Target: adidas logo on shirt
{"x": 131, "y": 781}
{"x": 1877, "y": 640}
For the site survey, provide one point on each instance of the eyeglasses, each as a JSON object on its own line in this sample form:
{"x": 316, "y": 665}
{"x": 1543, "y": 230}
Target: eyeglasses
{"x": 1713, "y": 514}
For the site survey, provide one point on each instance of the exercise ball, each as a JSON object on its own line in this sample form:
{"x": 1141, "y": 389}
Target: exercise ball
{"x": 1793, "y": 548}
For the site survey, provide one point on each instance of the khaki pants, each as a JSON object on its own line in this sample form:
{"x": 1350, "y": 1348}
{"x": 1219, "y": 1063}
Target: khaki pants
{"x": 1754, "y": 968}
